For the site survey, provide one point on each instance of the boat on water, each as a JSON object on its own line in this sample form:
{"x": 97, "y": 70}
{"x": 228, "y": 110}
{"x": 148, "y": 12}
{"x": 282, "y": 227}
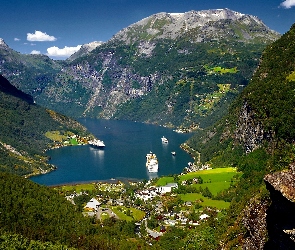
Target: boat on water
{"x": 96, "y": 143}
{"x": 164, "y": 139}
{"x": 152, "y": 163}
{"x": 173, "y": 153}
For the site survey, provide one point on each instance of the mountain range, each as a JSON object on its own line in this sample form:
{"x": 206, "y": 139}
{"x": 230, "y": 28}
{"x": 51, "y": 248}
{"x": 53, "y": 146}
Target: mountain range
{"x": 170, "y": 69}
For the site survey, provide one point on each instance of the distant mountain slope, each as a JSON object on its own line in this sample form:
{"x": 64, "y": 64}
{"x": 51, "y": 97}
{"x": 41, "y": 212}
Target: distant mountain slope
{"x": 177, "y": 65}
{"x": 9, "y": 89}
{"x": 85, "y": 50}
{"x": 186, "y": 68}
{"x": 22, "y": 131}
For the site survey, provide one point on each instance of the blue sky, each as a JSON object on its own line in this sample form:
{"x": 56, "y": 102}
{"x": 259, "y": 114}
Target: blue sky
{"x": 54, "y": 26}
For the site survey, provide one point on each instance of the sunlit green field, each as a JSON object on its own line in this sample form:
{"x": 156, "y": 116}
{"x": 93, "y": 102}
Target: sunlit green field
{"x": 134, "y": 214}
{"x": 77, "y": 187}
{"x": 206, "y": 202}
{"x": 216, "y": 179}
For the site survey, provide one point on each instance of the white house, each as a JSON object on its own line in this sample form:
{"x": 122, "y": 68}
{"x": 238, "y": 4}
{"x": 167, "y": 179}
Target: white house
{"x": 167, "y": 188}
{"x": 92, "y": 204}
{"x": 204, "y": 216}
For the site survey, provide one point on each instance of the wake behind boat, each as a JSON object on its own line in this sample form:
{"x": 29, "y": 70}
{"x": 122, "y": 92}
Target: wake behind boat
{"x": 152, "y": 163}
{"x": 96, "y": 143}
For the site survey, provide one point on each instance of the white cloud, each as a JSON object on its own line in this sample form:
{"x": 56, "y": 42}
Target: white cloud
{"x": 16, "y": 39}
{"x": 288, "y": 4}
{"x": 35, "y": 52}
{"x": 39, "y": 36}
{"x": 65, "y": 52}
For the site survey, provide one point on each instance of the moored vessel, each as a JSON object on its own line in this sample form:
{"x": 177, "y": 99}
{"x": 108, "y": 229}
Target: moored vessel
{"x": 96, "y": 143}
{"x": 152, "y": 163}
{"x": 164, "y": 139}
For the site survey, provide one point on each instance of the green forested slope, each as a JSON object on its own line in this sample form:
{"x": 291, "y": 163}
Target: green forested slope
{"x": 262, "y": 115}
{"x": 187, "y": 91}
{"x": 22, "y": 130}
{"x": 271, "y": 93}
{"x": 38, "y": 217}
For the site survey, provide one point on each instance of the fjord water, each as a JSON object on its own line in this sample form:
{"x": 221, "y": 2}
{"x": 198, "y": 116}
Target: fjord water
{"x": 127, "y": 144}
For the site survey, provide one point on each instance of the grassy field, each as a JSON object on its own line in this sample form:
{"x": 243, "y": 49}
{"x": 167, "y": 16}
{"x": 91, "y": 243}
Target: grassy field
{"x": 73, "y": 141}
{"x": 291, "y": 77}
{"x": 78, "y": 187}
{"x": 221, "y": 70}
{"x": 164, "y": 180}
{"x": 55, "y": 136}
{"x": 206, "y": 202}
{"x": 135, "y": 214}
{"x": 216, "y": 179}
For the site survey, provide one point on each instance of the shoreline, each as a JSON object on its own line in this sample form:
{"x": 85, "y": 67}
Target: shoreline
{"x": 109, "y": 181}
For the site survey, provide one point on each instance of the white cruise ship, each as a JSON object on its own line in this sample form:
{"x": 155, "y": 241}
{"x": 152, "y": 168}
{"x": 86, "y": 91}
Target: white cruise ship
{"x": 152, "y": 163}
{"x": 164, "y": 139}
{"x": 96, "y": 143}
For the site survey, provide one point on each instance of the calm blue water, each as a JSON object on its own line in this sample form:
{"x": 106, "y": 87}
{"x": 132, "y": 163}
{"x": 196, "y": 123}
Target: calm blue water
{"x": 127, "y": 144}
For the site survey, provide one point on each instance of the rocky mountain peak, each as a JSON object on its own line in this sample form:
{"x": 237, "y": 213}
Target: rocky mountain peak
{"x": 91, "y": 46}
{"x": 2, "y": 43}
{"x": 201, "y": 25}
{"x": 85, "y": 49}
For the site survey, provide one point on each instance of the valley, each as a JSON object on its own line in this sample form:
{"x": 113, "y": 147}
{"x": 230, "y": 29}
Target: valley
{"x": 223, "y": 73}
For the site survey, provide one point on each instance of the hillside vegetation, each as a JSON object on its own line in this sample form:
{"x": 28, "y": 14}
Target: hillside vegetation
{"x": 23, "y": 131}
{"x": 257, "y": 136}
{"x": 39, "y": 217}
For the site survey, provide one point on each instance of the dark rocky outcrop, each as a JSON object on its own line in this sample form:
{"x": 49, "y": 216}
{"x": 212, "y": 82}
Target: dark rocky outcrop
{"x": 280, "y": 217}
{"x": 254, "y": 220}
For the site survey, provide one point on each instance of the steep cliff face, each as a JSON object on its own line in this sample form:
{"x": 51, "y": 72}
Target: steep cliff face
{"x": 250, "y": 132}
{"x": 254, "y": 219}
{"x": 280, "y": 219}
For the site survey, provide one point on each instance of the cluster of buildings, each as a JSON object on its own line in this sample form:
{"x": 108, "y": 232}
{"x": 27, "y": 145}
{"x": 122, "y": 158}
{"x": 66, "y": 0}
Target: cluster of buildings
{"x": 152, "y": 192}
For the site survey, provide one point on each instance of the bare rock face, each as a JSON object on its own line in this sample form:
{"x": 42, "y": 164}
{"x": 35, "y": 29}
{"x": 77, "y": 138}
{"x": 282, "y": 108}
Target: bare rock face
{"x": 284, "y": 182}
{"x": 85, "y": 49}
{"x": 249, "y": 132}
{"x": 254, "y": 220}
{"x": 280, "y": 215}
{"x": 270, "y": 223}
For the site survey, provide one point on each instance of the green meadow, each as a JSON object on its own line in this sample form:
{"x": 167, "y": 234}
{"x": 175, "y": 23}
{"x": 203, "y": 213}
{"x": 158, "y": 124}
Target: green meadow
{"x": 204, "y": 201}
{"x": 216, "y": 180}
{"x": 128, "y": 214}
{"x": 221, "y": 70}
{"x": 77, "y": 187}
